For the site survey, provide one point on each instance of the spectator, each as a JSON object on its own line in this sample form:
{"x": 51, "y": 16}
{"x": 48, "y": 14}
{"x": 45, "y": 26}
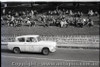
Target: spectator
{"x": 90, "y": 23}
{"x": 96, "y": 13}
{"x": 90, "y": 13}
{"x": 67, "y": 12}
{"x": 28, "y": 22}
{"x": 70, "y": 12}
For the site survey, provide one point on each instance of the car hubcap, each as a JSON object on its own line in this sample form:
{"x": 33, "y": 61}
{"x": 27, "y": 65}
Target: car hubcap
{"x": 16, "y": 50}
{"x": 45, "y": 51}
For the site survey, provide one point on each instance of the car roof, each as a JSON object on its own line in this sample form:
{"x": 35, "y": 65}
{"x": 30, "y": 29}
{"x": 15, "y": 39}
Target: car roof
{"x": 27, "y": 36}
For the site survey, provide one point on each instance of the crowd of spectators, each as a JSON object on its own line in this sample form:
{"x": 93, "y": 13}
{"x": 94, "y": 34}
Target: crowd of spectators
{"x": 56, "y": 17}
{"x": 71, "y": 12}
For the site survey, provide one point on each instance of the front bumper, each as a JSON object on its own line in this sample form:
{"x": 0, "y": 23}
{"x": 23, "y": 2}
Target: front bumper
{"x": 53, "y": 49}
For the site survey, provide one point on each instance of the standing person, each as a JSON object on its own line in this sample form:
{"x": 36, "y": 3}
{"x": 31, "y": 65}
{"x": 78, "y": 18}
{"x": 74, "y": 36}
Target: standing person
{"x": 8, "y": 20}
{"x": 44, "y": 21}
{"x": 11, "y": 21}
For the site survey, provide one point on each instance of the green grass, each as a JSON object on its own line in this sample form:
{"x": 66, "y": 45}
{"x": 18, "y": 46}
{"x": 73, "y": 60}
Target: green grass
{"x": 49, "y": 31}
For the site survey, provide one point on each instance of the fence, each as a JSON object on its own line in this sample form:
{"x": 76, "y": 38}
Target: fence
{"x": 74, "y": 40}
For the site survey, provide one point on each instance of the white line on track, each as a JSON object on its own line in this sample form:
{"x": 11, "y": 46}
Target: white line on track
{"x": 45, "y": 59}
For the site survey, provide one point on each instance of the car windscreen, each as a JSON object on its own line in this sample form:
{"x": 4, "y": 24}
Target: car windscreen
{"x": 31, "y": 39}
{"x": 39, "y": 38}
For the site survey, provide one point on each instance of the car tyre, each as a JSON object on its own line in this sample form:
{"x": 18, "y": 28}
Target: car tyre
{"x": 16, "y": 50}
{"x": 45, "y": 51}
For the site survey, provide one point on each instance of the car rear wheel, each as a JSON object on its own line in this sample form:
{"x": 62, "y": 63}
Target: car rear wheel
{"x": 16, "y": 50}
{"x": 45, "y": 51}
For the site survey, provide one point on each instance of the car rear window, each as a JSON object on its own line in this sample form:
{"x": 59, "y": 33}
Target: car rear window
{"x": 21, "y": 39}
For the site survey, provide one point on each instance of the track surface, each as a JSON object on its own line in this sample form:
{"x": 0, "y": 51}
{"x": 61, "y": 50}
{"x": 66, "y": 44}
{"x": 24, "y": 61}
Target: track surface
{"x": 63, "y": 57}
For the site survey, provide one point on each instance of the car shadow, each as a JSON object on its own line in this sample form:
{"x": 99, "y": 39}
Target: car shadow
{"x": 6, "y": 51}
{"x": 25, "y": 53}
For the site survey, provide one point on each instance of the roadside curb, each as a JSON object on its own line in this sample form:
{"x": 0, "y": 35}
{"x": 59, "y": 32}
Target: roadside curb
{"x": 75, "y": 47}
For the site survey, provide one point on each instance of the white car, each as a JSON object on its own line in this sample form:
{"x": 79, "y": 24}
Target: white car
{"x": 31, "y": 43}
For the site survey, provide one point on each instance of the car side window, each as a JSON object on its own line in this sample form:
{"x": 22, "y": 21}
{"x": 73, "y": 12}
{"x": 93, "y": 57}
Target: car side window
{"x": 21, "y": 39}
{"x": 30, "y": 39}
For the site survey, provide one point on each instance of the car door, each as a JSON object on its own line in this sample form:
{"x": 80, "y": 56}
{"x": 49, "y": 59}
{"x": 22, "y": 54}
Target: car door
{"x": 21, "y": 43}
{"x": 31, "y": 43}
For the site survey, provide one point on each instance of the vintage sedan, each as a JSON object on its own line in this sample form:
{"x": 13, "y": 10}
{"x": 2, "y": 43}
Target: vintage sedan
{"x": 32, "y": 43}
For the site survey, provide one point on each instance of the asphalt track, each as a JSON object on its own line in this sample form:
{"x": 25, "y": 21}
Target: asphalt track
{"x": 63, "y": 57}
